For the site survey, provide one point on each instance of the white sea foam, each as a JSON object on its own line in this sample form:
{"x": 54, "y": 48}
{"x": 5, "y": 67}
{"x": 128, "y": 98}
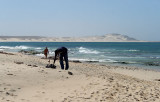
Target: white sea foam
{"x": 131, "y": 50}
{"x": 38, "y": 48}
{"x": 91, "y": 60}
{"x": 83, "y": 59}
{"x": 21, "y": 47}
{"x": 157, "y": 57}
{"x": 51, "y": 53}
{"x": 154, "y": 57}
{"x": 110, "y": 60}
{"x": 5, "y": 47}
{"x": 16, "y": 47}
{"x": 40, "y": 55}
{"x": 126, "y": 57}
{"x": 78, "y": 59}
{"x": 88, "y": 51}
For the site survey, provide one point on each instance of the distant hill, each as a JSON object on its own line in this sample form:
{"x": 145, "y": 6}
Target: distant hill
{"x": 104, "y": 38}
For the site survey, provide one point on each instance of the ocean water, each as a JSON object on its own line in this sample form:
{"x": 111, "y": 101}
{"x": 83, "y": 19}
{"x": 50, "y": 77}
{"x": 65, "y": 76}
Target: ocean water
{"x": 141, "y": 54}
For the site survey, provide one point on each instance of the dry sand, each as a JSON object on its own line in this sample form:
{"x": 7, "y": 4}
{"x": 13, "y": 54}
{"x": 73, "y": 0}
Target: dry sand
{"x": 24, "y": 78}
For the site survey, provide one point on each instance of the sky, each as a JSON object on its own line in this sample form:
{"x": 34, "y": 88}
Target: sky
{"x": 139, "y": 19}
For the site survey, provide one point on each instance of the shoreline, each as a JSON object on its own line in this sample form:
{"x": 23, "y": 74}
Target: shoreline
{"x": 122, "y": 66}
{"x": 24, "y": 78}
{"x": 113, "y": 65}
{"x": 131, "y": 70}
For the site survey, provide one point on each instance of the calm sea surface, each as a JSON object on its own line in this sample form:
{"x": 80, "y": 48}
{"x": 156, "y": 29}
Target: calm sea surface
{"x": 141, "y": 54}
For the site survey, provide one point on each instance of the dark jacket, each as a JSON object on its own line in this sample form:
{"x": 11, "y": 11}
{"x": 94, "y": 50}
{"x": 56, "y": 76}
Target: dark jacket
{"x": 61, "y": 50}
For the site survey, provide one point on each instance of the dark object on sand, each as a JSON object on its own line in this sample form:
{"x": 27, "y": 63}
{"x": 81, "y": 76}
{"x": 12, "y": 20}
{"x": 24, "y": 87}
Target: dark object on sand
{"x": 70, "y": 73}
{"x": 157, "y": 79}
{"x": 18, "y": 62}
{"x": 51, "y": 66}
{"x": 9, "y": 74}
{"x": 123, "y": 62}
{"x": 1, "y": 52}
{"x": 92, "y": 61}
{"x": 30, "y": 52}
{"x": 50, "y": 57}
{"x": 152, "y": 64}
{"x": 35, "y": 66}
{"x": 76, "y": 61}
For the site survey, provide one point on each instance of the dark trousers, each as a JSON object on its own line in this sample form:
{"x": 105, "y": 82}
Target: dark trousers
{"x": 65, "y": 57}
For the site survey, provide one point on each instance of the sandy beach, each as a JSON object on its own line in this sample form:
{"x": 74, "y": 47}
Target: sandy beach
{"x": 24, "y": 78}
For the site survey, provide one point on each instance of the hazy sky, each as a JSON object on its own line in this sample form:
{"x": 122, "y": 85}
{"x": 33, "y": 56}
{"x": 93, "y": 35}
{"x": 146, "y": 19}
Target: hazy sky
{"x": 136, "y": 18}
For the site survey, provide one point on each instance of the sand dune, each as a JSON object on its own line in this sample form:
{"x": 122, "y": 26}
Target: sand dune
{"x": 104, "y": 38}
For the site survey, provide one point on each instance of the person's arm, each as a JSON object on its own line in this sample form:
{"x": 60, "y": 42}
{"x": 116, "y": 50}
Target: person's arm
{"x": 47, "y": 51}
{"x": 55, "y": 57}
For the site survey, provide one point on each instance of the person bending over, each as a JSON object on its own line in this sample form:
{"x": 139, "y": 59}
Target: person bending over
{"x": 63, "y": 55}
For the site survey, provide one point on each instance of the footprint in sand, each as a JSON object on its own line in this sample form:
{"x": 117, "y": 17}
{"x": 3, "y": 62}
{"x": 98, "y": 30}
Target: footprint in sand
{"x": 8, "y": 84}
{"x": 12, "y": 90}
{"x": 2, "y": 98}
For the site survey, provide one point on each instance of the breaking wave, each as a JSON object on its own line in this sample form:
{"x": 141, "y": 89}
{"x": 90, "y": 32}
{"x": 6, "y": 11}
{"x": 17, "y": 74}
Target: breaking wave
{"x": 91, "y": 60}
{"x": 16, "y": 47}
{"x": 131, "y": 50}
{"x": 87, "y": 51}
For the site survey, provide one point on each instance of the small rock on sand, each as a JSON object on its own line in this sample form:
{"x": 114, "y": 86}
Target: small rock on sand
{"x": 18, "y": 62}
{"x": 9, "y": 74}
{"x": 70, "y": 73}
{"x": 157, "y": 79}
{"x": 35, "y": 66}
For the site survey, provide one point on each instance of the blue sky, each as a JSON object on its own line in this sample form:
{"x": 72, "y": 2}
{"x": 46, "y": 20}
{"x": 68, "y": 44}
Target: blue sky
{"x": 72, "y": 18}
